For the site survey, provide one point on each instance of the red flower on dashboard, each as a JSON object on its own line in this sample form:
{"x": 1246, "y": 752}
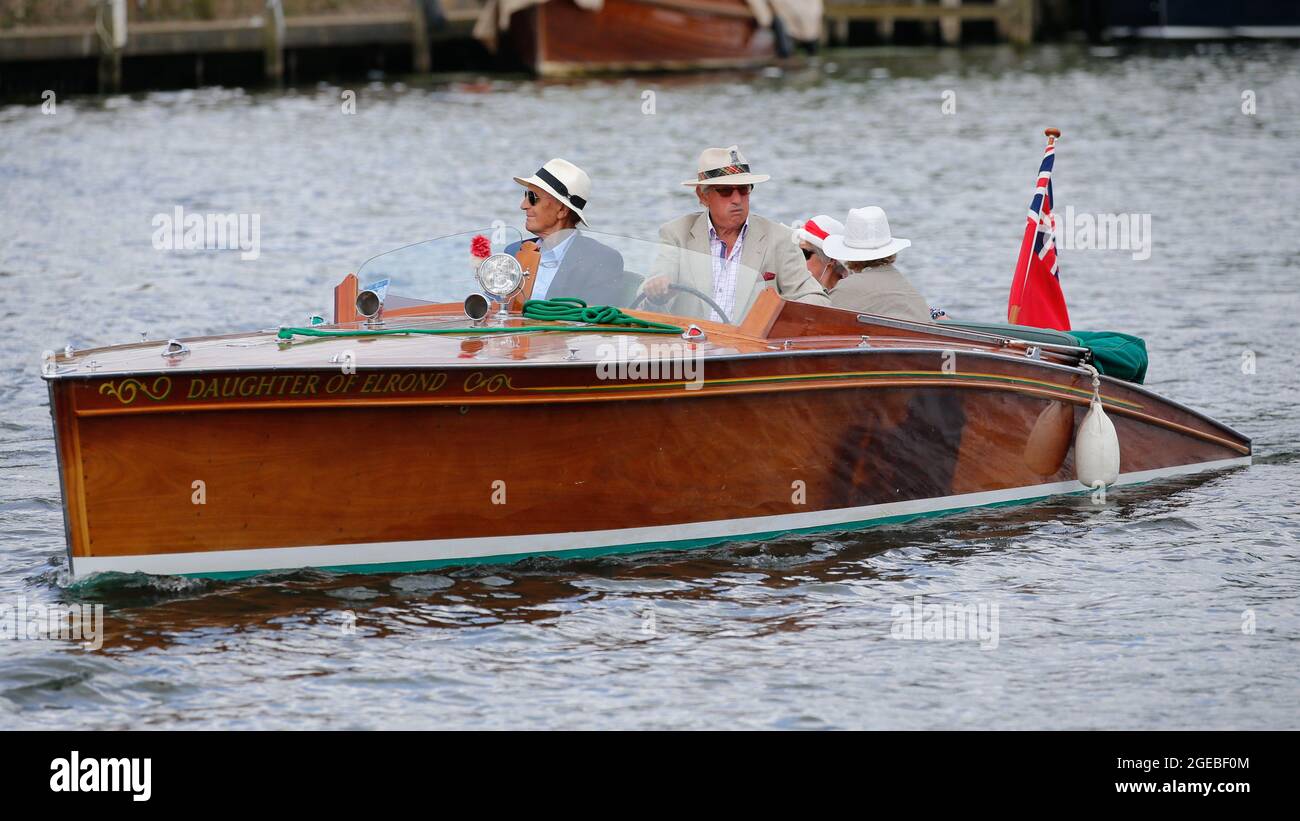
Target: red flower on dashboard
{"x": 480, "y": 248}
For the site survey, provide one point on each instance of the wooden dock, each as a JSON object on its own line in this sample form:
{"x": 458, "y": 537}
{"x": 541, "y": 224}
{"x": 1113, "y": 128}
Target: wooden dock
{"x": 110, "y": 38}
{"x": 1014, "y": 19}
{"x": 111, "y": 31}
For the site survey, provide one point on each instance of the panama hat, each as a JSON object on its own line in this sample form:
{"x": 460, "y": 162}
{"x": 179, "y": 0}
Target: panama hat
{"x": 865, "y": 237}
{"x": 815, "y": 230}
{"x": 724, "y": 166}
{"x": 565, "y": 181}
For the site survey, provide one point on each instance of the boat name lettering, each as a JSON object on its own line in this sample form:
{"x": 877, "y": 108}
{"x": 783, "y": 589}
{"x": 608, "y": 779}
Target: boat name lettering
{"x": 227, "y": 387}
{"x": 402, "y": 382}
{"x": 245, "y": 387}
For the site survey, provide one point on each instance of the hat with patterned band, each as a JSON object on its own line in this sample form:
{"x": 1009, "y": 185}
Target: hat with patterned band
{"x": 724, "y": 166}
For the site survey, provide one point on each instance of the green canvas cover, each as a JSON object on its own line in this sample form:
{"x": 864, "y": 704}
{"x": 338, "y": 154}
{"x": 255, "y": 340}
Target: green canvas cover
{"x": 1122, "y": 356}
{"x": 1115, "y": 354}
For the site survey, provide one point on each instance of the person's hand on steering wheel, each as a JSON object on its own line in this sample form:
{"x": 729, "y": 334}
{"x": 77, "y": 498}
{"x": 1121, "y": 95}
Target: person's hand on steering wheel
{"x": 664, "y": 285}
{"x": 656, "y": 288}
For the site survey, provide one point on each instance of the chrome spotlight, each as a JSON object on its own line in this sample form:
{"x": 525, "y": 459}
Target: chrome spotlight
{"x": 501, "y": 277}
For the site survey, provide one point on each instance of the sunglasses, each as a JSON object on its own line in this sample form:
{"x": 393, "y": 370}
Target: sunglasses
{"x": 725, "y": 191}
{"x": 531, "y": 196}
{"x": 807, "y": 253}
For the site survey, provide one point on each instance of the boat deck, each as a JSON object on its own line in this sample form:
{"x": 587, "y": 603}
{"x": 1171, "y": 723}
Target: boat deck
{"x": 263, "y": 350}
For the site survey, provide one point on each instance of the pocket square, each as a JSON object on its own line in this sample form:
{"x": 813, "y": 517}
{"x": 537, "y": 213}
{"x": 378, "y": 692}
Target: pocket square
{"x": 768, "y": 276}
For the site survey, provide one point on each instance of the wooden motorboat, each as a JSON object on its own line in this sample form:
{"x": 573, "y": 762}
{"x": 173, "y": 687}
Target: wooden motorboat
{"x": 433, "y": 440}
{"x": 559, "y": 38}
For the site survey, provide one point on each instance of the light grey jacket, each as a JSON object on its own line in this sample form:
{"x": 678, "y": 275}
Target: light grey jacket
{"x": 883, "y": 291}
{"x": 768, "y": 248}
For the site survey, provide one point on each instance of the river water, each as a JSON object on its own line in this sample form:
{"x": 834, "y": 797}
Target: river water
{"x": 1173, "y": 605}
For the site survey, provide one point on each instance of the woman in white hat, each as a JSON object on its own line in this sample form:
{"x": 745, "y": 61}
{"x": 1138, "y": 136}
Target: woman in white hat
{"x": 870, "y": 283}
{"x": 810, "y": 236}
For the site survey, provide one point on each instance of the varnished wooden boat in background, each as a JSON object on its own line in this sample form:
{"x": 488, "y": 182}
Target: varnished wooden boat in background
{"x": 558, "y": 38}
{"x": 251, "y": 453}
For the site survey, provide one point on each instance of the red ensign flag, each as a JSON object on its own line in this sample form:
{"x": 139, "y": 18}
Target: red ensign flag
{"x": 1036, "y": 297}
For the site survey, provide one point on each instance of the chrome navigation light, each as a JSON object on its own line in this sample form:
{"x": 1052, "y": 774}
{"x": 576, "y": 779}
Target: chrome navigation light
{"x": 477, "y": 307}
{"x": 370, "y": 305}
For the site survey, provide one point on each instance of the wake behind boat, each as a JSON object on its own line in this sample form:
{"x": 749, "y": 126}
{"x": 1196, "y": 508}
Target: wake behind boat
{"x": 414, "y": 433}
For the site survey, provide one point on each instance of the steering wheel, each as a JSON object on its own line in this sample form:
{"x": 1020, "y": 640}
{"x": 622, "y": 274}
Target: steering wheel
{"x": 686, "y": 289}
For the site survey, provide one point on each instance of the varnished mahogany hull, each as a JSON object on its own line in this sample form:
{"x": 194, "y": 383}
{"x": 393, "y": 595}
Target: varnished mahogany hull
{"x": 558, "y": 38}
{"x": 495, "y": 463}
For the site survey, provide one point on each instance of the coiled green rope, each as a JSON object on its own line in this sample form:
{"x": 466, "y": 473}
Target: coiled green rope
{"x": 571, "y": 309}
{"x": 560, "y": 309}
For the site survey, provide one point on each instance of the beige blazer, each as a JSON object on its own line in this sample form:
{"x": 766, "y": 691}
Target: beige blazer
{"x": 883, "y": 291}
{"x": 768, "y": 248}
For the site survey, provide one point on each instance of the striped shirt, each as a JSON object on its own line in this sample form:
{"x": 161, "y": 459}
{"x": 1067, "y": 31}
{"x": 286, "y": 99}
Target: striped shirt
{"x": 725, "y": 267}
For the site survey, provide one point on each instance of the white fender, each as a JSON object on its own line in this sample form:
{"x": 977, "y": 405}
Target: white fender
{"x": 1096, "y": 448}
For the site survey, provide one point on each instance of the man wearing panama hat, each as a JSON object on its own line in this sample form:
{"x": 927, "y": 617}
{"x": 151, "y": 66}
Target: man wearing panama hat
{"x": 746, "y": 252}
{"x": 871, "y": 284}
{"x": 572, "y": 264}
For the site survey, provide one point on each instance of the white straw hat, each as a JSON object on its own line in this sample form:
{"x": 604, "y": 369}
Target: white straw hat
{"x": 815, "y": 230}
{"x": 565, "y": 181}
{"x": 866, "y": 237}
{"x": 724, "y": 166}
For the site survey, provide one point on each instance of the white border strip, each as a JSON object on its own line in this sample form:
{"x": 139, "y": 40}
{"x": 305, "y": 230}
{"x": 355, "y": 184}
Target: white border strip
{"x": 378, "y": 553}
{"x": 1268, "y": 32}
{"x": 1265, "y": 32}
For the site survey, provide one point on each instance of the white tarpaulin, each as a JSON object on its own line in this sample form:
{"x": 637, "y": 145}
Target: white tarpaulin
{"x": 802, "y": 18}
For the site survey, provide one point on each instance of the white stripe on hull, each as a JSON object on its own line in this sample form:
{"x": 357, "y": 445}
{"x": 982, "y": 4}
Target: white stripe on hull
{"x": 378, "y": 553}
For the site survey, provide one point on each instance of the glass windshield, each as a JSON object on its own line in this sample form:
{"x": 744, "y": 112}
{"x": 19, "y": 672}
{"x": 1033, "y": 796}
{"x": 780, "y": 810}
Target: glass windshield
{"x": 598, "y": 268}
{"x": 436, "y": 270}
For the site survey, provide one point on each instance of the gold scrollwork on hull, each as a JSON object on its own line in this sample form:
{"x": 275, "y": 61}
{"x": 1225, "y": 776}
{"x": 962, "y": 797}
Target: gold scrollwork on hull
{"x": 491, "y": 384}
{"x": 127, "y": 390}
